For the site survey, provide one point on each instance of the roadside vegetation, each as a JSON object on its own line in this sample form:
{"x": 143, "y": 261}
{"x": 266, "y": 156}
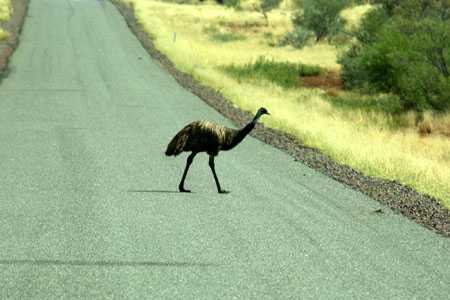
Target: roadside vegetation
{"x": 392, "y": 120}
{"x": 263, "y": 70}
{"x": 5, "y": 14}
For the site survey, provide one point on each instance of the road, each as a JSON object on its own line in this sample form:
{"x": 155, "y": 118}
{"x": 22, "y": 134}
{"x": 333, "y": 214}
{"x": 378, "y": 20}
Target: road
{"x": 88, "y": 207}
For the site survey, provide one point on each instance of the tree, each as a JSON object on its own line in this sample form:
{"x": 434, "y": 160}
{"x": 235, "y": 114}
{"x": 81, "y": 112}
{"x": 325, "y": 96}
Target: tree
{"x": 322, "y": 16}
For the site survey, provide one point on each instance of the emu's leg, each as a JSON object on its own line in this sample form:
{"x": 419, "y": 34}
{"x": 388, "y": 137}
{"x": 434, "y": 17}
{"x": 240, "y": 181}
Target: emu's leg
{"x": 186, "y": 169}
{"x": 211, "y": 165}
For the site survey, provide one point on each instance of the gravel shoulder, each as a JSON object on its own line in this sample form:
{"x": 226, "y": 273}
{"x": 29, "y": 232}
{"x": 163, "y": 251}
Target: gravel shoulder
{"x": 421, "y": 208}
{"x": 14, "y": 27}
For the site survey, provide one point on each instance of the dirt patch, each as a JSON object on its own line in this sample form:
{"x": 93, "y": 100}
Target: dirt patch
{"x": 429, "y": 127}
{"x": 14, "y": 27}
{"x": 246, "y": 26}
{"x": 421, "y": 208}
{"x": 329, "y": 81}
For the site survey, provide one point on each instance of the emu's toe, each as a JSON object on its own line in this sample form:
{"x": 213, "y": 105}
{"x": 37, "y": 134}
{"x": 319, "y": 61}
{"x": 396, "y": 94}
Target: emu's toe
{"x": 183, "y": 190}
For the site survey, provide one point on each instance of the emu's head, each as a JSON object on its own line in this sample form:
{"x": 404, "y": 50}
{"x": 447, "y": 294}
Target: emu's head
{"x": 260, "y": 112}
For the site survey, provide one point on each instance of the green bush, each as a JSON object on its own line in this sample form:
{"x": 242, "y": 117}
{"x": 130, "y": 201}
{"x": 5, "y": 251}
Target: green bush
{"x": 284, "y": 74}
{"x": 388, "y": 5}
{"x": 370, "y": 24}
{"x": 322, "y": 16}
{"x": 406, "y": 53}
{"x": 319, "y": 18}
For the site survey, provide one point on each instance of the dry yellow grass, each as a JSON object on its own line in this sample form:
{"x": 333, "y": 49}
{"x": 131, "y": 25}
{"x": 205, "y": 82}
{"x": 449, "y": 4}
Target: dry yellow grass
{"x": 353, "y": 15}
{"x": 5, "y": 14}
{"x": 5, "y": 10}
{"x": 3, "y": 34}
{"x": 360, "y": 139}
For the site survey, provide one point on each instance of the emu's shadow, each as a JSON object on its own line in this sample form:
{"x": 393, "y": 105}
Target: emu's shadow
{"x": 102, "y": 263}
{"x": 152, "y": 191}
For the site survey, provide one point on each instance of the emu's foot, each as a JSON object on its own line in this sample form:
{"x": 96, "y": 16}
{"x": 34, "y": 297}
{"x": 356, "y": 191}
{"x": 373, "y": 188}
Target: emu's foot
{"x": 223, "y": 192}
{"x": 183, "y": 190}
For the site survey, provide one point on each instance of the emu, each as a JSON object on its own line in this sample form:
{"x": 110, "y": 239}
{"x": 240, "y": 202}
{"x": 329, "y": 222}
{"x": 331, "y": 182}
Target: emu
{"x": 209, "y": 137}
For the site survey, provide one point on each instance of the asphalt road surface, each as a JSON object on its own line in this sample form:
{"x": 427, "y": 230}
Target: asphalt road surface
{"x": 88, "y": 201}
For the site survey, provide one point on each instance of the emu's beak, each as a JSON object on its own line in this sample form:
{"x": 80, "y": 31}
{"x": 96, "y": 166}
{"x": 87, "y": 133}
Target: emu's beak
{"x": 268, "y": 113}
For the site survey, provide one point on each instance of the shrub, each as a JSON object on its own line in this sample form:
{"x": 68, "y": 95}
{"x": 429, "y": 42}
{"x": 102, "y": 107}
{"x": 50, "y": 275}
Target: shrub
{"x": 388, "y": 5}
{"x": 317, "y": 17}
{"x": 322, "y": 16}
{"x": 370, "y": 24}
{"x": 407, "y": 54}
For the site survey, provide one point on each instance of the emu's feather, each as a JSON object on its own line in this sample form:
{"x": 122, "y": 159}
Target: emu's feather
{"x": 201, "y": 136}
{"x": 178, "y": 142}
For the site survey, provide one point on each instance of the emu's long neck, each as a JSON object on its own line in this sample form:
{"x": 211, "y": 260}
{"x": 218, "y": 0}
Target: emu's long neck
{"x": 241, "y": 134}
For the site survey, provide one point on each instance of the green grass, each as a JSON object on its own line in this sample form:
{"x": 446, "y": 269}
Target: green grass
{"x": 284, "y": 74}
{"x": 383, "y": 103}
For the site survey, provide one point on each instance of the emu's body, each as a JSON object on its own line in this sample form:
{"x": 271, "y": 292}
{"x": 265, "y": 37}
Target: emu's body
{"x": 209, "y": 137}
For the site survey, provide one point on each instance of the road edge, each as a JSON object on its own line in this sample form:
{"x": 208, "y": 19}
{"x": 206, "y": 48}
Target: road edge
{"x": 421, "y": 208}
{"x": 14, "y": 27}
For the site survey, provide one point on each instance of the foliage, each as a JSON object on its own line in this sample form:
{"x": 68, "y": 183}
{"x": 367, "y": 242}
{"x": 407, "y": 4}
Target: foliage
{"x": 403, "y": 47}
{"x": 359, "y": 2}
{"x": 236, "y": 4}
{"x": 370, "y": 24}
{"x": 321, "y": 16}
{"x": 284, "y": 74}
{"x": 416, "y": 8}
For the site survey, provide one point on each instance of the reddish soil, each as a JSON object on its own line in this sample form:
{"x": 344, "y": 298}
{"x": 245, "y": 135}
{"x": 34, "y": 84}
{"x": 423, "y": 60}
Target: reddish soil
{"x": 253, "y": 27}
{"x": 329, "y": 81}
